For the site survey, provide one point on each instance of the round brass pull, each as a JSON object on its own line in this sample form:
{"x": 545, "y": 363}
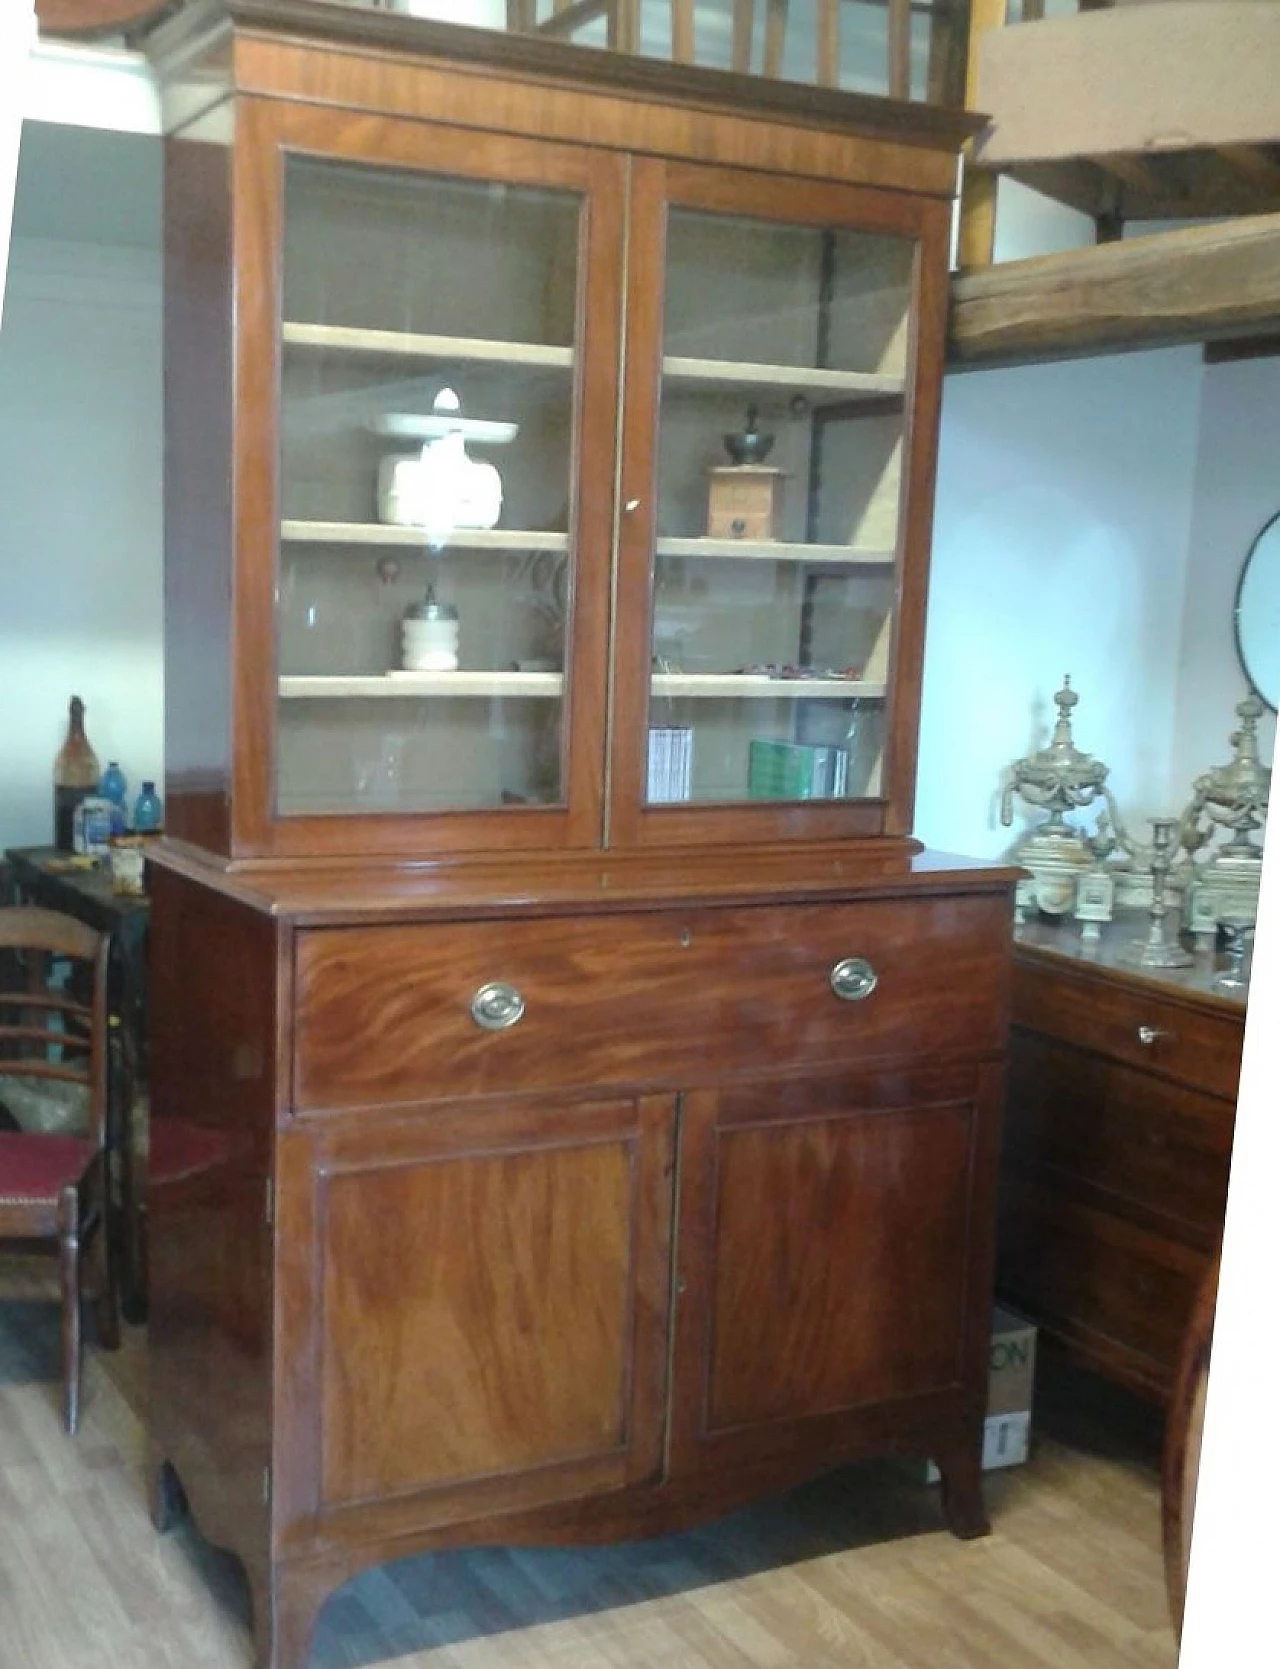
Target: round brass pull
{"x": 853, "y": 979}
{"x": 1149, "y": 1036}
{"x": 496, "y": 1006}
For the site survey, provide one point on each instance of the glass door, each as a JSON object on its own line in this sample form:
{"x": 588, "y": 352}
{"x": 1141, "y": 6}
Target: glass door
{"x": 768, "y": 526}
{"x": 435, "y": 634}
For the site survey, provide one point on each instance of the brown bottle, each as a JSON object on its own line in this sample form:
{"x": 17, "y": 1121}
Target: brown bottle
{"x": 75, "y": 775}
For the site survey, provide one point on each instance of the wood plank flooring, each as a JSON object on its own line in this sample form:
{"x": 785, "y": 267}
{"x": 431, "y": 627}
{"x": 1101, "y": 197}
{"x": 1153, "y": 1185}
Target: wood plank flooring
{"x": 854, "y": 1572}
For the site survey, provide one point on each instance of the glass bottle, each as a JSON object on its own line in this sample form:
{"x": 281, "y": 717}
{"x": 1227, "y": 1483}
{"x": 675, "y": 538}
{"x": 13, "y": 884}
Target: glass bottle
{"x": 75, "y": 776}
{"x": 115, "y": 787}
{"x": 148, "y": 813}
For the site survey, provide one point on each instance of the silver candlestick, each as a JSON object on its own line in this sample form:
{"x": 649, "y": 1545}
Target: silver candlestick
{"x": 1158, "y": 950}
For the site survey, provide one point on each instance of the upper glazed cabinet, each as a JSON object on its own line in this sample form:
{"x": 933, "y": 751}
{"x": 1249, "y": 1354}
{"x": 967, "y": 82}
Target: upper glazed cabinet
{"x": 575, "y": 484}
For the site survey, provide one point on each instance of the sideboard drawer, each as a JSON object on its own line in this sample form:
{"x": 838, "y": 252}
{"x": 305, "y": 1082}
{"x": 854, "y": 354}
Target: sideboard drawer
{"x": 673, "y": 996}
{"x": 1161, "y": 1148}
{"x": 1193, "y": 1045}
{"x": 1094, "y": 1279}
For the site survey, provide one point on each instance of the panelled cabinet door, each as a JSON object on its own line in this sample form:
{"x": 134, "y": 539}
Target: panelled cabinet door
{"x": 474, "y": 1310}
{"x": 828, "y": 1264}
{"x": 783, "y": 361}
{"x": 425, "y": 444}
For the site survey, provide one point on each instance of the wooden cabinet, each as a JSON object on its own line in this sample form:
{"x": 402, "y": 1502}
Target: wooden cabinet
{"x": 579, "y": 1092}
{"x": 1119, "y": 1124}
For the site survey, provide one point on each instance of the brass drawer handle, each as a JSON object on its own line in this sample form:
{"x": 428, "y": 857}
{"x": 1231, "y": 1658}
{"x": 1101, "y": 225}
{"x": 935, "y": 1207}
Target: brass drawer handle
{"x": 496, "y": 1006}
{"x": 853, "y": 979}
{"x": 1149, "y": 1036}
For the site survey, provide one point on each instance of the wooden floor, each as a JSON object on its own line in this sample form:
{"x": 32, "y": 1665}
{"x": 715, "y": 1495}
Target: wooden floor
{"x": 851, "y": 1573}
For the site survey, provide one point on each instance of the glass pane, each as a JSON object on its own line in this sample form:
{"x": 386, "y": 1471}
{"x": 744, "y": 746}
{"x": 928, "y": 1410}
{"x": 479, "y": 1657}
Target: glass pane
{"x": 779, "y": 474}
{"x": 426, "y": 403}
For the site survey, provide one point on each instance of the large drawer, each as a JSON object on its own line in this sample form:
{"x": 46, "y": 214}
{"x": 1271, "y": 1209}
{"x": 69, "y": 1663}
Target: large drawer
{"x": 674, "y": 997}
{"x": 1118, "y": 1292}
{"x": 1194, "y": 1045}
{"x": 1159, "y": 1150}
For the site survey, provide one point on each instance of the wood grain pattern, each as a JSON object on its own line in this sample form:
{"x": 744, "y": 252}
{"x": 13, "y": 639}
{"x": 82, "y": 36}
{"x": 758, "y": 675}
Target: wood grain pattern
{"x": 1117, "y": 1153}
{"x": 1121, "y": 1138}
{"x": 1115, "y": 1293}
{"x": 266, "y": 129}
{"x": 94, "y": 17}
{"x": 490, "y": 1292}
{"x": 867, "y": 1303}
{"x": 198, "y": 338}
{"x": 638, "y": 999}
{"x": 1199, "y": 1040}
{"x": 212, "y": 1006}
{"x": 1195, "y": 284}
{"x": 857, "y": 1566}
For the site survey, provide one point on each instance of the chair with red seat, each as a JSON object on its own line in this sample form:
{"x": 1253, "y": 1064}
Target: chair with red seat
{"x": 54, "y": 1186}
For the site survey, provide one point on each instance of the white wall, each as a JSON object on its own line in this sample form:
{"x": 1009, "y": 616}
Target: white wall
{"x": 80, "y": 533}
{"x": 1064, "y": 505}
{"x": 1237, "y": 490}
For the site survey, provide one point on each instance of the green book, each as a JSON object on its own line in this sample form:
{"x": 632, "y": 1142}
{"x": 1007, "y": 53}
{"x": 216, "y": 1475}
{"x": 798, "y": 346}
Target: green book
{"x": 789, "y": 770}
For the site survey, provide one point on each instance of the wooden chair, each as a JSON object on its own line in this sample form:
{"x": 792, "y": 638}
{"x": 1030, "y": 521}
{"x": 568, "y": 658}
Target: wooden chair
{"x": 54, "y": 1188}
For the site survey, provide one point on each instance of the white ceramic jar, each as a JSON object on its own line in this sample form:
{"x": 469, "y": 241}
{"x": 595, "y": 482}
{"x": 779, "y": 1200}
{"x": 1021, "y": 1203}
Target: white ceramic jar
{"x": 429, "y": 636}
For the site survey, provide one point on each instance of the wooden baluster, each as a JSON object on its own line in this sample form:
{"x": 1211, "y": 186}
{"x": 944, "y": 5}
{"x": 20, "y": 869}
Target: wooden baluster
{"x": 743, "y": 21}
{"x": 828, "y": 42}
{"x": 978, "y": 203}
{"x": 775, "y": 36}
{"x": 682, "y": 46}
{"x": 522, "y": 16}
{"x": 899, "y": 45}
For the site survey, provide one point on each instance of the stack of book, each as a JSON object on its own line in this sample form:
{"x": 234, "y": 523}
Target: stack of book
{"x": 795, "y": 771}
{"x": 670, "y": 763}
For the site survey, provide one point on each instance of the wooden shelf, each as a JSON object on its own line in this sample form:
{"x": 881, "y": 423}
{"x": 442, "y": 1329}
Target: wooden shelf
{"x": 397, "y": 686}
{"x": 389, "y": 533}
{"x": 736, "y": 686}
{"x": 774, "y": 550}
{"x": 796, "y": 379}
{"x": 395, "y": 344}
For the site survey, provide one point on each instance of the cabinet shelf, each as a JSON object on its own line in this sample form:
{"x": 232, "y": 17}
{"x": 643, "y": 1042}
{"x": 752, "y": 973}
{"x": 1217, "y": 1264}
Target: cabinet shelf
{"x": 398, "y": 344}
{"x": 797, "y": 379}
{"x": 391, "y": 533}
{"x": 751, "y": 686}
{"x": 397, "y": 685}
{"x": 774, "y": 550}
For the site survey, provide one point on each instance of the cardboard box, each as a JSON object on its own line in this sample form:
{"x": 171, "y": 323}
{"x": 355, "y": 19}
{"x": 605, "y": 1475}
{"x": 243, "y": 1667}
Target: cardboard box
{"x": 1010, "y": 1386}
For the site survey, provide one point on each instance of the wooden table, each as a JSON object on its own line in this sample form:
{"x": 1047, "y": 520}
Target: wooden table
{"x": 42, "y": 876}
{"x": 1119, "y": 1122}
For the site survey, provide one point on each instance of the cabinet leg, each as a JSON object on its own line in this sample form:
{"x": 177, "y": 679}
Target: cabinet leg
{"x": 285, "y": 1607}
{"x": 165, "y": 1499}
{"x": 961, "y": 1469}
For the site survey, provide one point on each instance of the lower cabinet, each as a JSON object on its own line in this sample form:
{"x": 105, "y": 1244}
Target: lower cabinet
{"x": 478, "y": 1316}
{"x": 708, "y": 1217}
{"x": 1117, "y": 1148}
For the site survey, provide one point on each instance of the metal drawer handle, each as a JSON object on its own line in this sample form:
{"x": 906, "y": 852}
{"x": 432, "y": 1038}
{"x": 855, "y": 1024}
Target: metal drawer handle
{"x": 496, "y": 1006}
{"x": 853, "y": 979}
{"x": 1149, "y": 1036}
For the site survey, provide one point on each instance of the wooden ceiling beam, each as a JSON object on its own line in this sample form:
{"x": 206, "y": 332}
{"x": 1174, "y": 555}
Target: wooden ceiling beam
{"x": 1197, "y": 284}
{"x": 94, "y": 17}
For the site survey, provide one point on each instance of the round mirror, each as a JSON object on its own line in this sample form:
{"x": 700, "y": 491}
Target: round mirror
{"x": 1258, "y": 614}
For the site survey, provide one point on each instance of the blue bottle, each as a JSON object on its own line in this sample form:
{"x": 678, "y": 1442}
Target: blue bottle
{"x": 148, "y": 813}
{"x": 115, "y": 788}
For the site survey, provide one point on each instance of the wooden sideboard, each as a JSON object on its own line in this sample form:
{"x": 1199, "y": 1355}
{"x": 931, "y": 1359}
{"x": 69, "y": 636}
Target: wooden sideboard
{"x": 1118, "y": 1129}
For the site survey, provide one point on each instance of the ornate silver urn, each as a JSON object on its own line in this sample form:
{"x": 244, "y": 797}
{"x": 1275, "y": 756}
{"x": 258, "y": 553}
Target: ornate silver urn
{"x": 1230, "y": 798}
{"x": 1058, "y": 779}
